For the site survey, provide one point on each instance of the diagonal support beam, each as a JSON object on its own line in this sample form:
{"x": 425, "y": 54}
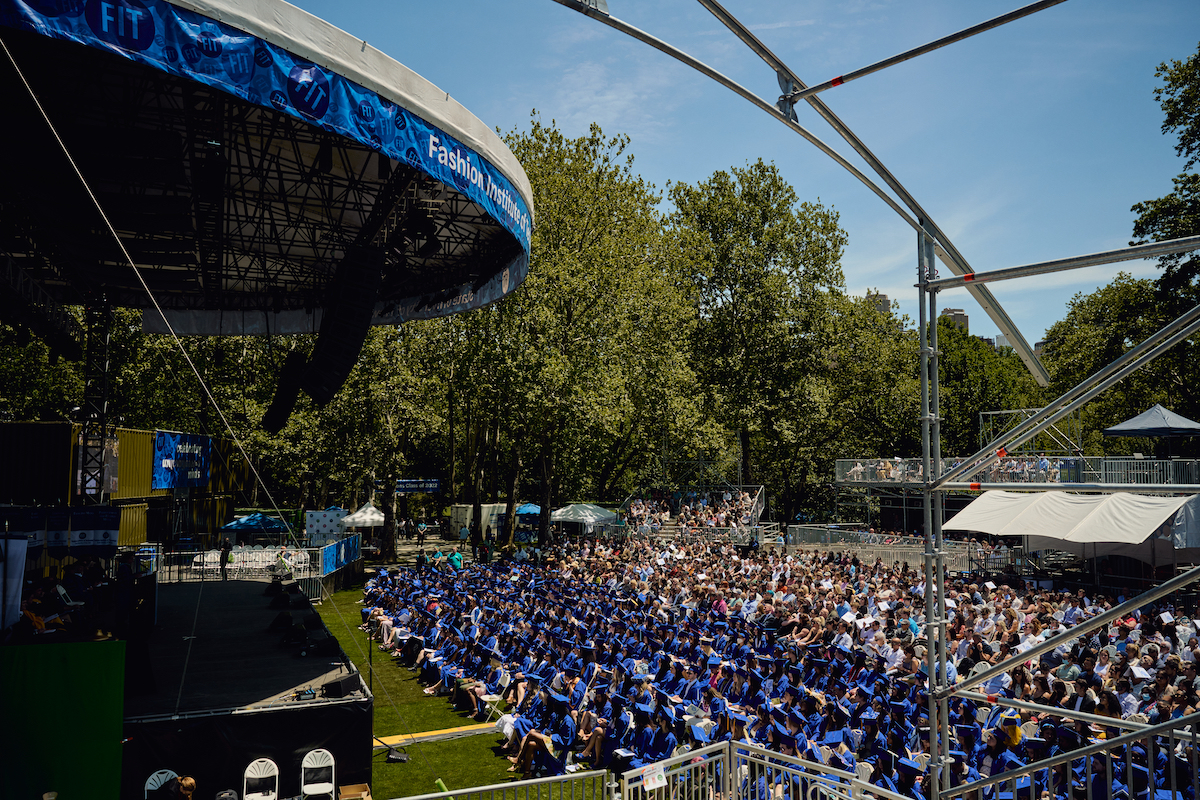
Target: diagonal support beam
{"x": 1148, "y": 250}
{"x": 907, "y": 55}
{"x": 1151, "y": 348}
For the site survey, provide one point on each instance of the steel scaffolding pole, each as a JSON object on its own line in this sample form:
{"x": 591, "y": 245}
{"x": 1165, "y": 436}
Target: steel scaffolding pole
{"x": 1148, "y": 250}
{"x": 929, "y": 430}
{"x": 965, "y": 33}
{"x": 1140, "y": 488}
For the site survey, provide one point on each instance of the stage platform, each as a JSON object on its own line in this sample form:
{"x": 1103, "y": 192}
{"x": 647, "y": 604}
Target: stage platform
{"x": 211, "y": 689}
{"x": 211, "y": 651}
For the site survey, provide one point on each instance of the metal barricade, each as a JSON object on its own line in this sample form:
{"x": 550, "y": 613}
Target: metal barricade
{"x": 701, "y": 774}
{"x": 578, "y": 786}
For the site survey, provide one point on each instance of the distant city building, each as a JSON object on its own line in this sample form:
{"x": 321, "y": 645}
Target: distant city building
{"x": 1037, "y": 348}
{"x": 990, "y": 342}
{"x": 957, "y": 317}
{"x": 1002, "y": 341}
{"x": 880, "y": 301}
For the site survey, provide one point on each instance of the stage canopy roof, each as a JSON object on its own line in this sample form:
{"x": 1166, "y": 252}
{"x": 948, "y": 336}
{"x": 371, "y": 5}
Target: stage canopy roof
{"x": 267, "y": 172}
{"x": 582, "y": 512}
{"x": 1155, "y": 421}
{"x": 1120, "y": 523}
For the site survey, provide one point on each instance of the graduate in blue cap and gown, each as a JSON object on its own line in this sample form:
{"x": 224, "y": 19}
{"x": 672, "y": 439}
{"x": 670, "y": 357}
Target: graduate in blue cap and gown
{"x": 906, "y": 782}
{"x": 551, "y": 743}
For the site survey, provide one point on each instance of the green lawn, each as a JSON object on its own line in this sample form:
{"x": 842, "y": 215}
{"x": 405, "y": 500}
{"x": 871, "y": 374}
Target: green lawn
{"x": 402, "y": 707}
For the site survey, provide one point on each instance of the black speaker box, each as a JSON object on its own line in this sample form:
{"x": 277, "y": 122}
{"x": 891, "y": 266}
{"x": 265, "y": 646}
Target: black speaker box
{"x": 273, "y": 588}
{"x": 290, "y": 586}
{"x": 341, "y": 687}
{"x": 282, "y": 621}
{"x": 300, "y": 602}
{"x": 280, "y": 600}
{"x": 312, "y": 622}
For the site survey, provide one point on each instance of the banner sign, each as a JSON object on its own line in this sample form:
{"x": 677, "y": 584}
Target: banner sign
{"x": 58, "y": 528}
{"x": 339, "y": 554}
{"x": 187, "y": 44}
{"x": 180, "y": 460}
{"x": 412, "y": 485}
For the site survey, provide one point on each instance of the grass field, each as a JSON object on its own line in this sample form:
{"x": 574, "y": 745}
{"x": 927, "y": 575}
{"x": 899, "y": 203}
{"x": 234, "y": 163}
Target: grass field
{"x": 401, "y": 707}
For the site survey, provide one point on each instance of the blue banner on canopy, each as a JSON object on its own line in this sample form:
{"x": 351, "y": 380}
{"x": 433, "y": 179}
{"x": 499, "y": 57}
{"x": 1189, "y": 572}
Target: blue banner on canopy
{"x": 180, "y": 459}
{"x": 188, "y": 44}
{"x": 339, "y": 554}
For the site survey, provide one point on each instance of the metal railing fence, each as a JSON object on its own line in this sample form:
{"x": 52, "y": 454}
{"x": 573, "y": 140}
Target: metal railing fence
{"x": 1078, "y": 469}
{"x": 594, "y": 785}
{"x": 696, "y": 775}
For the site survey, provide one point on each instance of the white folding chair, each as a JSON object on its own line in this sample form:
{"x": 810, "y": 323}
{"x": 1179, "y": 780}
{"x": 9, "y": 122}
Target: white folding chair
{"x": 261, "y": 780}
{"x": 316, "y": 775}
{"x": 493, "y": 700}
{"x": 66, "y": 598}
{"x": 156, "y": 780}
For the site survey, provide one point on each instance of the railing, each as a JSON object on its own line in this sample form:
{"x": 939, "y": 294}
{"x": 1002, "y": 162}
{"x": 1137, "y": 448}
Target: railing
{"x": 696, "y": 775}
{"x": 308, "y": 566}
{"x": 1084, "y": 469}
{"x": 579, "y": 786}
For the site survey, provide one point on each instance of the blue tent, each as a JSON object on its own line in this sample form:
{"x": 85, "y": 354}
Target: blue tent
{"x": 256, "y": 522}
{"x": 528, "y": 509}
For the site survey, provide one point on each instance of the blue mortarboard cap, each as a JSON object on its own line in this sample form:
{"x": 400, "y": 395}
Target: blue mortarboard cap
{"x": 870, "y": 716}
{"x": 963, "y": 731}
{"x": 832, "y": 738}
{"x": 840, "y": 685}
{"x": 897, "y": 707}
{"x": 909, "y": 767}
{"x": 795, "y": 716}
{"x": 667, "y": 712}
{"x": 779, "y": 714}
{"x": 739, "y": 717}
{"x": 814, "y": 752}
{"x": 959, "y": 756}
{"x": 644, "y": 708}
{"x": 558, "y": 698}
{"x": 1035, "y": 742}
{"x": 788, "y": 741}
{"x": 699, "y": 735}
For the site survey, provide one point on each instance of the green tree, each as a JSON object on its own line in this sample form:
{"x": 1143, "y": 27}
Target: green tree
{"x": 1177, "y": 214}
{"x": 761, "y": 268}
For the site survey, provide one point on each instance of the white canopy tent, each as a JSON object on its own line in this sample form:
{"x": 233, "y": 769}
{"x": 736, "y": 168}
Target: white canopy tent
{"x": 1141, "y": 526}
{"x": 585, "y": 514}
{"x": 366, "y": 517}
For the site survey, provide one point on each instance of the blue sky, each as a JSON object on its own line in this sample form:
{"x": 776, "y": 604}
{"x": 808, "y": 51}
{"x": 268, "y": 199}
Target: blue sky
{"x": 1025, "y": 143}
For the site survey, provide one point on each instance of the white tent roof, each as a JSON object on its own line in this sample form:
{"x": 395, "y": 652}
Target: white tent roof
{"x": 1114, "y": 523}
{"x": 582, "y": 512}
{"x": 366, "y": 517}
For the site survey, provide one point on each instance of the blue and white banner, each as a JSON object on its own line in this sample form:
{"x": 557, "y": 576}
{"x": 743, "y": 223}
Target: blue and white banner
{"x": 188, "y": 44}
{"x": 339, "y": 554}
{"x": 180, "y": 460}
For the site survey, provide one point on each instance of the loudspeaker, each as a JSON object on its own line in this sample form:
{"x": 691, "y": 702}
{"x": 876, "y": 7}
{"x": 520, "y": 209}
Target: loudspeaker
{"x": 282, "y": 621}
{"x": 286, "y": 393}
{"x": 273, "y": 588}
{"x": 345, "y": 320}
{"x": 312, "y": 622}
{"x": 295, "y": 635}
{"x": 320, "y": 643}
{"x": 341, "y": 687}
{"x": 300, "y": 602}
{"x": 290, "y": 586}
{"x": 281, "y": 600}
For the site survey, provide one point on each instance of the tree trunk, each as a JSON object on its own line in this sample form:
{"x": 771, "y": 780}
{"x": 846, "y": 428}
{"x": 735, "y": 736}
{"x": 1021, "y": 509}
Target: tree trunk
{"x": 510, "y": 508}
{"x": 453, "y": 476}
{"x": 546, "y": 463}
{"x": 744, "y": 440}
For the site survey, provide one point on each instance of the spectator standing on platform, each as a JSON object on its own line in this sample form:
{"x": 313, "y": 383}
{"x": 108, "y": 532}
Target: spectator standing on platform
{"x": 421, "y": 527}
{"x": 226, "y": 555}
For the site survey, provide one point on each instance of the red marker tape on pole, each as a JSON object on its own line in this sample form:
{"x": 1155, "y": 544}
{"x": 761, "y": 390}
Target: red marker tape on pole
{"x": 836, "y": 81}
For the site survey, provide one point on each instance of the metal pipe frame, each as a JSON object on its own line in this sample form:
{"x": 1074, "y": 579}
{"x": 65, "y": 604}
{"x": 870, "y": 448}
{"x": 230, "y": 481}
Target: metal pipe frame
{"x": 965, "y": 33}
{"x": 946, "y": 250}
{"x": 1148, "y": 250}
{"x": 927, "y": 325}
{"x": 1108, "y": 488}
{"x": 1153, "y": 346}
{"x": 1071, "y": 634}
{"x": 1093, "y": 749}
{"x": 1008, "y": 702}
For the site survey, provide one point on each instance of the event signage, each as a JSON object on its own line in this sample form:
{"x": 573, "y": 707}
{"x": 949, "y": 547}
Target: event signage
{"x": 188, "y": 44}
{"x": 180, "y": 460}
{"x": 413, "y": 485}
{"x": 340, "y": 553}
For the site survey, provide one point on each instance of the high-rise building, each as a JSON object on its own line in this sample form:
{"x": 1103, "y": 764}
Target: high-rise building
{"x": 881, "y": 302}
{"x": 958, "y": 318}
